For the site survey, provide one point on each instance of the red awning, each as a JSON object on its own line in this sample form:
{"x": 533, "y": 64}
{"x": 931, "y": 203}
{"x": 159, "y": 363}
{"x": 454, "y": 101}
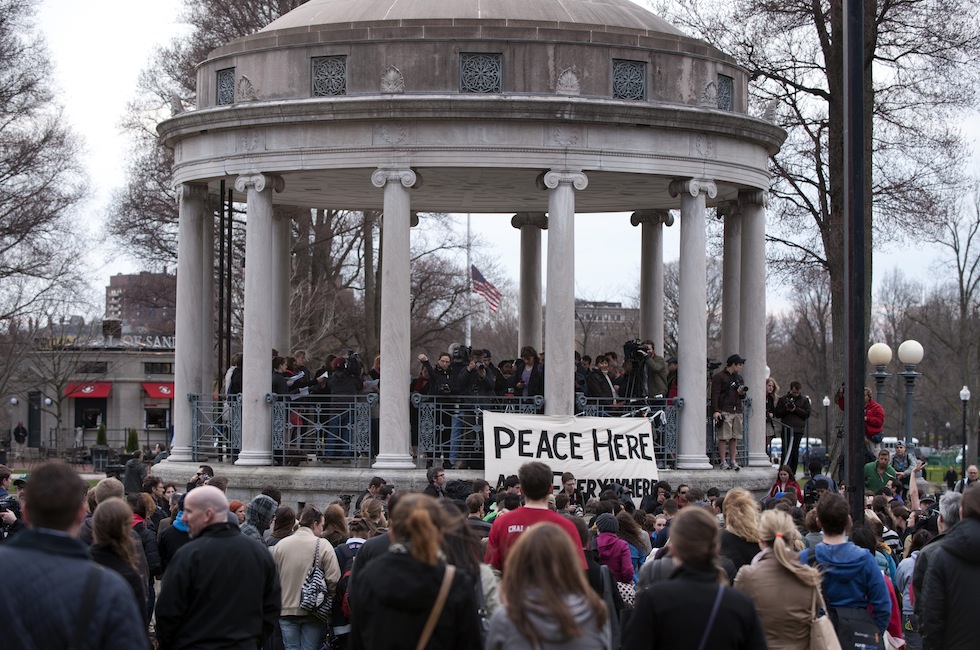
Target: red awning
{"x": 160, "y": 390}
{"x": 88, "y": 389}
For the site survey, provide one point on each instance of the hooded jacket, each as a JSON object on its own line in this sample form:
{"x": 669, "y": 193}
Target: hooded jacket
{"x": 853, "y": 580}
{"x": 949, "y": 587}
{"x": 615, "y": 554}
{"x": 401, "y": 591}
{"x": 505, "y": 635}
{"x": 258, "y": 516}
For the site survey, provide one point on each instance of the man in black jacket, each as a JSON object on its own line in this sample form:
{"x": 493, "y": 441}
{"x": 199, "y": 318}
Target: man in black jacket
{"x": 951, "y": 582}
{"x": 222, "y": 588}
{"x": 793, "y": 409}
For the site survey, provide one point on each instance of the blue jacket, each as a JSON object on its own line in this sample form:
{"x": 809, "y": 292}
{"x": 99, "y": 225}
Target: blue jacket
{"x": 44, "y": 579}
{"x": 852, "y": 579}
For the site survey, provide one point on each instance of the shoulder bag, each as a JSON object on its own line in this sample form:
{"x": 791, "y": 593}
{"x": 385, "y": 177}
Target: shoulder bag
{"x": 314, "y": 595}
{"x": 823, "y": 636}
{"x": 430, "y": 624}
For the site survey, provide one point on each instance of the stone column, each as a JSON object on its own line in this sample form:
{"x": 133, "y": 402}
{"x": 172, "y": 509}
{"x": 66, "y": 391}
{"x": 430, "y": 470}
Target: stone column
{"x": 282, "y": 255}
{"x": 209, "y": 375}
{"x": 752, "y": 344}
{"x": 188, "y": 361}
{"x": 259, "y": 318}
{"x": 395, "y": 316}
{"x": 731, "y": 274}
{"x": 559, "y": 335}
{"x": 692, "y": 323}
{"x": 652, "y": 274}
{"x": 529, "y": 330}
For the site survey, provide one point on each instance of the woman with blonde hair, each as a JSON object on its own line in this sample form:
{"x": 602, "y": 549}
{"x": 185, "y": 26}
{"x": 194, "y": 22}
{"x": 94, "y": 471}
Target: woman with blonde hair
{"x": 413, "y": 598}
{"x": 740, "y": 538}
{"x": 695, "y": 608}
{"x": 114, "y": 548}
{"x": 373, "y": 511}
{"x": 783, "y": 589}
{"x": 545, "y": 606}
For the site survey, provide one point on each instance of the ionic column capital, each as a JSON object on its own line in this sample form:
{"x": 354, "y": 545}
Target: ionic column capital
{"x": 553, "y": 178}
{"x": 728, "y": 209}
{"x": 193, "y": 191}
{"x": 694, "y": 187}
{"x": 754, "y": 197}
{"x": 407, "y": 176}
{"x": 259, "y": 182}
{"x": 652, "y": 217}
{"x": 529, "y": 219}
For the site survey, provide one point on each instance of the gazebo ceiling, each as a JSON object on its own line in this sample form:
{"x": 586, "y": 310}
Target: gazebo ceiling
{"x": 611, "y": 13}
{"x": 480, "y": 189}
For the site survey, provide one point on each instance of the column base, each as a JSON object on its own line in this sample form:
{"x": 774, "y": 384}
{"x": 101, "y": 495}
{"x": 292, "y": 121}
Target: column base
{"x": 693, "y": 461}
{"x": 254, "y": 458}
{"x": 394, "y": 461}
{"x": 180, "y": 455}
{"x": 759, "y": 459}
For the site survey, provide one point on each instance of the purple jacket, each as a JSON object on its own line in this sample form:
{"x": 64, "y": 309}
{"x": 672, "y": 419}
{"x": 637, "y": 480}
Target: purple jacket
{"x": 615, "y": 554}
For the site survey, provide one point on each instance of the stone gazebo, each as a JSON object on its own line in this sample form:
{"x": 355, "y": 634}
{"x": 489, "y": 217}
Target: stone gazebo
{"x": 522, "y": 108}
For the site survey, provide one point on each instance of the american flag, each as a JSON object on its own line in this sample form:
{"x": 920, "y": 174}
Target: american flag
{"x": 483, "y": 287}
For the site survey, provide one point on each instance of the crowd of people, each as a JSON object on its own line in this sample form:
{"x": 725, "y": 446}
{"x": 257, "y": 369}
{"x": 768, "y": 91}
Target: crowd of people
{"x": 462, "y": 372}
{"x": 464, "y": 565}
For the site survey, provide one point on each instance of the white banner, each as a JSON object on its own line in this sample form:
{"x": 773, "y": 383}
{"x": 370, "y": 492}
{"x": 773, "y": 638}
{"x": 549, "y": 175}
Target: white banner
{"x": 598, "y": 451}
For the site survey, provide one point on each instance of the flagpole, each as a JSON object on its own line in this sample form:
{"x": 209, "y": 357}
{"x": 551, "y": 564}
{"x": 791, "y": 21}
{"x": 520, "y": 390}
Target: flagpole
{"x": 469, "y": 287}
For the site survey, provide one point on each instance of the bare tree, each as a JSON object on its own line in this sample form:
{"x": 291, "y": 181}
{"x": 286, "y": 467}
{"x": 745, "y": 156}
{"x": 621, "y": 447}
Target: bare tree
{"x": 713, "y": 307}
{"x": 919, "y": 63}
{"x": 41, "y": 178}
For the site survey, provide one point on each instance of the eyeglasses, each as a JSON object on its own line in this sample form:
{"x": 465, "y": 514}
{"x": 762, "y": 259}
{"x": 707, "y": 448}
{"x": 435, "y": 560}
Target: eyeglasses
{"x": 682, "y": 493}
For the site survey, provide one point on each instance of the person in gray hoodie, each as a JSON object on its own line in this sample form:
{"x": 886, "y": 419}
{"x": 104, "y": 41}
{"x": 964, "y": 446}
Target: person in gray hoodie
{"x": 545, "y": 606}
{"x": 258, "y": 516}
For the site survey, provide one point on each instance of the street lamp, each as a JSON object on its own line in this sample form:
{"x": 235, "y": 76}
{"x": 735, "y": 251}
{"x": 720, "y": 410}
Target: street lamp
{"x": 826, "y": 422}
{"x": 964, "y": 397}
{"x": 909, "y": 353}
{"x": 14, "y": 401}
{"x": 880, "y": 355}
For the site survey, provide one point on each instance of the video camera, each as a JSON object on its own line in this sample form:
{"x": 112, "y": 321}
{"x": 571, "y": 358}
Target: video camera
{"x": 635, "y": 350}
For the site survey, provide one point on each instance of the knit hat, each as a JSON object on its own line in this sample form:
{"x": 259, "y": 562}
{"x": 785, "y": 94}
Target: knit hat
{"x": 606, "y": 523}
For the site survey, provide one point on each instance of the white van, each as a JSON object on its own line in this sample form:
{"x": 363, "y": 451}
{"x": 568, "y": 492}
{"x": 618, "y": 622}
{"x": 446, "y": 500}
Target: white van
{"x": 891, "y": 442}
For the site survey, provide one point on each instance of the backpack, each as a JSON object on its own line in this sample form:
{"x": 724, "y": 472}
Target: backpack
{"x": 345, "y": 558}
{"x": 458, "y": 490}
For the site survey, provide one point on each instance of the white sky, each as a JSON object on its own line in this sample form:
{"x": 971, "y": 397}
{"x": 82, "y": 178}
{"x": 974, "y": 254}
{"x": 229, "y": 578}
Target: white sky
{"x": 99, "y": 47}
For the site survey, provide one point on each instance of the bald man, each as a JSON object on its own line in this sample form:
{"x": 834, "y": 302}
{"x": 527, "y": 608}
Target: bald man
{"x": 222, "y": 588}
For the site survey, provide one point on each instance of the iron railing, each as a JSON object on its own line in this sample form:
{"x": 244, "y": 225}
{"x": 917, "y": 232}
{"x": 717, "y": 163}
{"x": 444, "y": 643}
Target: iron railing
{"x": 449, "y": 428}
{"x": 661, "y": 412}
{"x": 327, "y": 427}
{"x": 216, "y": 426}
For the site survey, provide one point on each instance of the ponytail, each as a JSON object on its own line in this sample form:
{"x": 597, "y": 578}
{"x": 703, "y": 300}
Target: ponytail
{"x": 419, "y": 525}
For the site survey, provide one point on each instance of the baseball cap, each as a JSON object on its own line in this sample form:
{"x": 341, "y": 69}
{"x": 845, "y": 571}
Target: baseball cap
{"x": 732, "y": 360}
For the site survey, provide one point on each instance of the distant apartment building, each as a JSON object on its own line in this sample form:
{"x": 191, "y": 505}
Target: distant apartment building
{"x": 141, "y": 304}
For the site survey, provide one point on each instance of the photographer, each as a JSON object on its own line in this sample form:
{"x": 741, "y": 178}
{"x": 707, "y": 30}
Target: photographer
{"x": 10, "y": 519}
{"x": 793, "y": 409}
{"x": 728, "y": 389}
{"x": 647, "y": 376}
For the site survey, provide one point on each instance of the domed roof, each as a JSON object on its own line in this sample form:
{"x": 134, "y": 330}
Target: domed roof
{"x": 611, "y": 13}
